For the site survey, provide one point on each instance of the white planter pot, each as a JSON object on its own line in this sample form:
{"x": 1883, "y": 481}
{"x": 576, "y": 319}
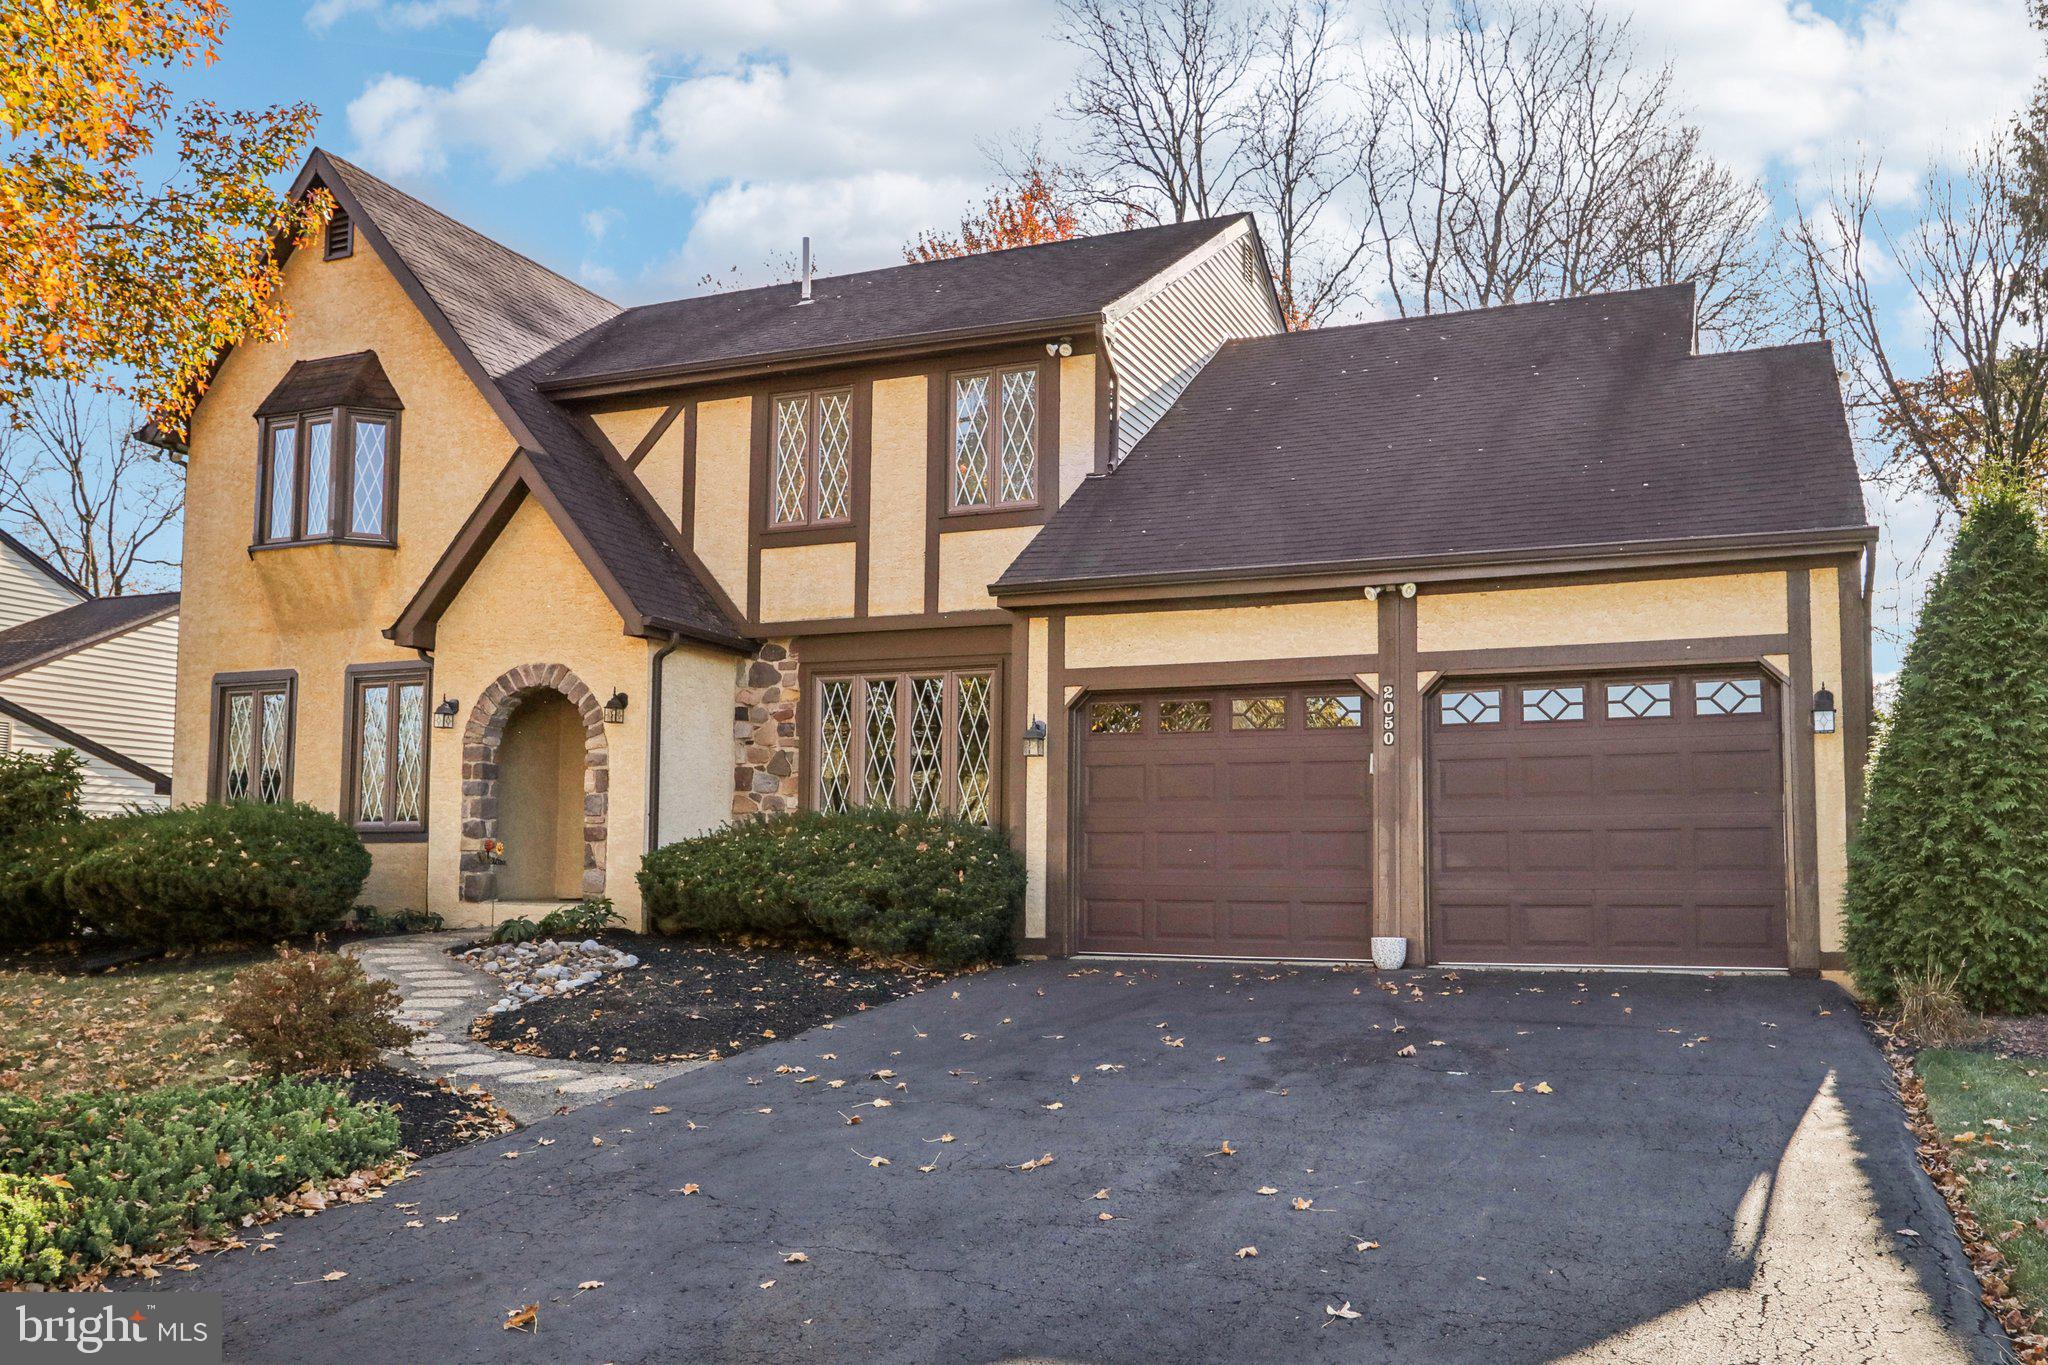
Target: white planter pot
{"x": 1389, "y": 953}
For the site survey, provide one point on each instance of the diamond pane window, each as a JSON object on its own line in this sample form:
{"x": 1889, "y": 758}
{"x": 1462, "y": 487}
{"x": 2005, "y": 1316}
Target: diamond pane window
{"x": 1553, "y": 703}
{"x": 792, "y": 455}
{"x": 366, "y": 514}
{"x": 971, "y": 441}
{"x": 408, "y": 778}
{"x": 1336, "y": 711}
{"x": 270, "y": 784}
{"x": 1115, "y": 718}
{"x": 1186, "y": 717}
{"x": 1020, "y": 435}
{"x": 372, "y": 755}
{"x": 835, "y": 745}
{"x": 1258, "y": 713}
{"x": 239, "y": 744}
{"x": 284, "y": 467}
{"x": 1638, "y": 701}
{"x": 319, "y": 478}
{"x": 1478, "y": 707}
{"x": 928, "y": 745}
{"x": 971, "y": 762}
{"x": 835, "y": 457}
{"x": 879, "y": 779}
{"x": 1728, "y": 696}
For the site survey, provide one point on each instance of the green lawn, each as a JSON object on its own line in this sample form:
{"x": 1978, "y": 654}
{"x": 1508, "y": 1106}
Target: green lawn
{"x": 1974, "y": 1093}
{"x": 136, "y": 1028}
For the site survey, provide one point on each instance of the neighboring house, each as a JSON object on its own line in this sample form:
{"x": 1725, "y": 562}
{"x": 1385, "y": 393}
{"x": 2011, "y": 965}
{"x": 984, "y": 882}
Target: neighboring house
{"x": 98, "y": 675}
{"x": 1503, "y": 631}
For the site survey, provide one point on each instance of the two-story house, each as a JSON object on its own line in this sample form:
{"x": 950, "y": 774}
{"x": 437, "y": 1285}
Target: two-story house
{"x": 1517, "y": 632}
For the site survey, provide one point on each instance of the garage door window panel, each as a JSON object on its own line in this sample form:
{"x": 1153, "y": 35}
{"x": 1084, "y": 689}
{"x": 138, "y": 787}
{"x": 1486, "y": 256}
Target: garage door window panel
{"x": 1639, "y": 701}
{"x": 1543, "y": 704}
{"x": 1334, "y": 710}
{"x": 1470, "y": 708}
{"x": 921, "y": 741}
{"x": 1728, "y": 696}
{"x": 1186, "y": 717}
{"x": 1116, "y": 718}
{"x": 1258, "y": 713}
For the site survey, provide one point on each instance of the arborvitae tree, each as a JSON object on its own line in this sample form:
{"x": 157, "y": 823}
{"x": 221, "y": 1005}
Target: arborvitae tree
{"x": 1950, "y": 867}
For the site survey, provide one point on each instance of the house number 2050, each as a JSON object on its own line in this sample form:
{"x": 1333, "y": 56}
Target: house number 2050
{"x": 1387, "y": 713}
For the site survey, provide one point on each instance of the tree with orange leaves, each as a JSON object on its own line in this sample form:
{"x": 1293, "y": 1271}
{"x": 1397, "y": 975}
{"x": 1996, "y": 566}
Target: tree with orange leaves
{"x": 122, "y": 266}
{"x": 1036, "y": 206}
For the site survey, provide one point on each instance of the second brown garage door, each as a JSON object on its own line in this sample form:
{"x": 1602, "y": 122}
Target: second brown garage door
{"x": 1230, "y": 823}
{"x": 1607, "y": 821}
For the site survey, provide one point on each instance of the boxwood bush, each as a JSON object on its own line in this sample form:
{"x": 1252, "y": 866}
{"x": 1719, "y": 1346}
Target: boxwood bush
{"x": 33, "y": 908}
{"x": 207, "y": 874}
{"x": 39, "y": 789}
{"x": 82, "y": 1175}
{"x": 886, "y": 881}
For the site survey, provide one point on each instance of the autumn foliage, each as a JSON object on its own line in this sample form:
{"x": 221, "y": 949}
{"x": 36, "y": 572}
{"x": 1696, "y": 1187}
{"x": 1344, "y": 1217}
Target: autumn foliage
{"x": 1034, "y": 208}
{"x": 123, "y": 262}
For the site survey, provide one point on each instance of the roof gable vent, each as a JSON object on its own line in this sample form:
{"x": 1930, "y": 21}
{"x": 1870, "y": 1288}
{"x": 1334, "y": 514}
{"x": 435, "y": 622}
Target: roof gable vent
{"x": 341, "y": 235}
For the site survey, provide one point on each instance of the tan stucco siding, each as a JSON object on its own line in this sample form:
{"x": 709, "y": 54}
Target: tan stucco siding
{"x": 1077, "y": 423}
{"x": 971, "y": 560}
{"x": 662, "y": 468}
{"x": 896, "y": 498}
{"x": 696, "y": 742}
{"x": 484, "y": 633}
{"x": 807, "y": 582}
{"x": 1830, "y": 775}
{"x": 1222, "y": 634}
{"x": 724, "y": 442}
{"x": 625, "y": 429}
{"x": 1037, "y": 680}
{"x": 318, "y": 609}
{"x": 1603, "y": 613}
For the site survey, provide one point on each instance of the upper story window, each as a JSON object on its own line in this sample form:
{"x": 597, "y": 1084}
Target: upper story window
{"x": 995, "y": 439}
{"x": 812, "y": 449}
{"x": 328, "y": 465}
{"x": 340, "y": 237}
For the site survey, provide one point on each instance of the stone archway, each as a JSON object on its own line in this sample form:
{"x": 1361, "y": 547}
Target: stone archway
{"x": 480, "y": 772}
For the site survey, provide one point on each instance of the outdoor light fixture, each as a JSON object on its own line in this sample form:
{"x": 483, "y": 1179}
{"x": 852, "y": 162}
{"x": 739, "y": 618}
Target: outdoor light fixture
{"x": 1034, "y": 739}
{"x": 1064, "y": 346}
{"x": 1823, "y": 711}
{"x": 615, "y": 709}
{"x": 1407, "y": 590}
{"x": 1372, "y": 594}
{"x": 444, "y": 714}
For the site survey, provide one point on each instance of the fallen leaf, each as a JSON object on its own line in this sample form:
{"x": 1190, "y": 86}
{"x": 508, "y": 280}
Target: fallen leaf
{"x": 1301, "y": 1205}
{"x": 795, "y": 1258}
{"x": 1345, "y": 1312}
{"x": 1267, "y": 1189}
{"x": 1056, "y": 1104}
{"x": 414, "y": 1223}
{"x": 1408, "y": 1051}
{"x": 335, "y": 1275}
{"x": 511, "y": 1156}
{"x": 1543, "y": 1087}
{"x": 589, "y": 1284}
{"x": 1104, "y": 1217}
{"x": 1100, "y": 1194}
{"x": 690, "y": 1188}
{"x": 928, "y": 1169}
{"x": 1367, "y": 1246}
{"x": 1246, "y": 1253}
{"x": 1033, "y": 1165}
{"x": 657, "y": 1109}
{"x": 446, "y": 1217}
{"x": 767, "y": 1284}
{"x": 523, "y": 1319}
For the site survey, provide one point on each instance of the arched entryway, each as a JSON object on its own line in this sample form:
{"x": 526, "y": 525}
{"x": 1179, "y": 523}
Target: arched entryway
{"x": 534, "y": 777}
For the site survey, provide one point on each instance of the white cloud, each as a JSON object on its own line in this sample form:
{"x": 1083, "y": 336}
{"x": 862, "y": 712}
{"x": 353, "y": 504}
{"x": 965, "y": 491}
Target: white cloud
{"x": 599, "y": 222}
{"x": 406, "y": 14}
{"x": 743, "y": 234}
{"x": 536, "y": 97}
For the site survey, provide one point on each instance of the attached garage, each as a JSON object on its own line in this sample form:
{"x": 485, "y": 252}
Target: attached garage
{"x": 1226, "y": 823}
{"x": 1625, "y": 820}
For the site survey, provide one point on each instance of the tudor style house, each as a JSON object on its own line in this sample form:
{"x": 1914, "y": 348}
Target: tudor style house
{"x": 1528, "y": 634}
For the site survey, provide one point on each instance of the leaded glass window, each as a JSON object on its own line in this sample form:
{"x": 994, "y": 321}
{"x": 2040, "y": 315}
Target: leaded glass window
{"x": 388, "y": 742}
{"x": 878, "y": 779}
{"x": 1020, "y": 435}
{"x": 319, "y": 478}
{"x": 971, "y": 724}
{"x": 920, "y": 741}
{"x": 1728, "y": 696}
{"x": 1638, "y": 701}
{"x": 835, "y": 744}
{"x": 792, "y": 459}
{"x": 1115, "y": 718}
{"x": 995, "y": 438}
{"x": 1186, "y": 717}
{"x": 327, "y": 475}
{"x": 835, "y": 456}
{"x": 369, "y": 482}
{"x": 1258, "y": 713}
{"x": 1480, "y": 706}
{"x": 811, "y": 459}
{"x": 252, "y": 740}
{"x": 282, "y": 471}
{"x": 927, "y": 745}
{"x": 970, "y": 441}
{"x": 1334, "y": 711}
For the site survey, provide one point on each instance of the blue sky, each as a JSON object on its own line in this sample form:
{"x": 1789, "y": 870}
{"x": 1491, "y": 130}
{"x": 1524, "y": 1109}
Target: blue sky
{"x": 639, "y": 144}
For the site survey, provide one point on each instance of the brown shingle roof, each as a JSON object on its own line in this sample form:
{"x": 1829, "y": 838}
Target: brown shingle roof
{"x": 354, "y": 381}
{"x": 1053, "y": 283}
{"x": 1527, "y": 429}
{"x": 44, "y": 638}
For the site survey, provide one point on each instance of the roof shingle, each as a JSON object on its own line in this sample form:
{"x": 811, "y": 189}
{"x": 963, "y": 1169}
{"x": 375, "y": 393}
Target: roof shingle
{"x": 44, "y": 638}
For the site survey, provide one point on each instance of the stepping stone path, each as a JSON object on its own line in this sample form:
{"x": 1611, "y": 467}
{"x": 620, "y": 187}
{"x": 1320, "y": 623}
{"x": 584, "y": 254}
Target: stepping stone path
{"x": 443, "y": 995}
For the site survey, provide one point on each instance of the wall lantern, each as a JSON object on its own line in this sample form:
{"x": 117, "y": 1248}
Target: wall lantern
{"x": 1823, "y": 711}
{"x": 1034, "y": 739}
{"x": 615, "y": 709}
{"x": 444, "y": 714}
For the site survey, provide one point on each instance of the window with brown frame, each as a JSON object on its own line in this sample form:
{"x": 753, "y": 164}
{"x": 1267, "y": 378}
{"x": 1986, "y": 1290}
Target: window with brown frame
{"x": 252, "y": 738}
{"x": 328, "y": 475}
{"x": 384, "y": 768}
{"x": 811, "y": 450}
{"x": 924, "y": 741}
{"x": 995, "y": 439}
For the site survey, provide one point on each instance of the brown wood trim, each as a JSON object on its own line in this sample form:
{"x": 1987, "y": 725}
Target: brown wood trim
{"x": 758, "y": 435}
{"x": 222, "y": 684}
{"x": 1061, "y": 912}
{"x": 1723, "y": 649}
{"x": 352, "y": 679}
{"x": 1399, "y": 661}
{"x": 1856, "y": 685}
{"x": 938, "y": 406}
{"x": 832, "y": 533}
{"x": 881, "y": 649}
{"x": 1215, "y": 602}
{"x": 862, "y": 415}
{"x": 854, "y": 625}
{"x": 1726, "y": 568}
{"x": 1247, "y": 673}
{"x": 654, "y": 434}
{"x": 1017, "y": 704}
{"x": 1105, "y": 411}
{"x": 686, "y": 512}
{"x": 1802, "y": 911}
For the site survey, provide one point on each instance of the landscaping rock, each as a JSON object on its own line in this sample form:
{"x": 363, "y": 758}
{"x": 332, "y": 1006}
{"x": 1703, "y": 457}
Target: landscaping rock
{"x": 547, "y": 969}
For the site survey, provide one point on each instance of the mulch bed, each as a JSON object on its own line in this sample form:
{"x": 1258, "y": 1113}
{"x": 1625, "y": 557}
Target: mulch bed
{"x": 691, "y": 999}
{"x": 2021, "y": 1035}
{"x": 432, "y": 1116}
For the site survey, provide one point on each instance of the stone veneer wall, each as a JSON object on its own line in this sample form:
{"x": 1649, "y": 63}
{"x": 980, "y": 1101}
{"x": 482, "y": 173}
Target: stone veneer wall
{"x": 764, "y": 732}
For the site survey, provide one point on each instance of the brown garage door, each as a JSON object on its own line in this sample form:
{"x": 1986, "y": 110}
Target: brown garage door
{"x": 1618, "y": 821}
{"x": 1226, "y": 823}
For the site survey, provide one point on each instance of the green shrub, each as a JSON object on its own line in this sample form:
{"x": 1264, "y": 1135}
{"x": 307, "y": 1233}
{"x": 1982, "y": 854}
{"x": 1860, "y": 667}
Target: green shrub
{"x": 518, "y": 929}
{"x": 39, "y": 789}
{"x": 591, "y": 915}
{"x": 208, "y": 874}
{"x": 147, "y": 1171}
{"x": 371, "y": 920}
{"x": 316, "y": 1011}
{"x": 33, "y": 908}
{"x": 885, "y": 881}
{"x": 1948, "y": 875}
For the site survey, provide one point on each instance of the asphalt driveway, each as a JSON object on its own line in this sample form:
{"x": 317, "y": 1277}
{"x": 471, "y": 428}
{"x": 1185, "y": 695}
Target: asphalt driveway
{"x": 1597, "y": 1167}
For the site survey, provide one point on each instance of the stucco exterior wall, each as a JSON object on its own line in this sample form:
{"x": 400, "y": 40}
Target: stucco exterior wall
{"x": 318, "y": 609}
{"x": 1077, "y": 422}
{"x": 896, "y": 498}
{"x": 1602, "y": 613}
{"x": 490, "y": 628}
{"x": 1203, "y": 635}
{"x": 807, "y": 582}
{"x": 971, "y": 560}
{"x": 724, "y": 437}
{"x": 696, "y": 742}
{"x": 1830, "y": 773}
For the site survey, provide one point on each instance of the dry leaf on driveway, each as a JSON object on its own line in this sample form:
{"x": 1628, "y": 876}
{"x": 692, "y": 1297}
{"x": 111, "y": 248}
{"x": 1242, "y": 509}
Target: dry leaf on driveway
{"x": 525, "y": 1318}
{"x": 335, "y": 1275}
{"x": 589, "y": 1285}
{"x": 795, "y": 1258}
{"x": 688, "y": 1189}
{"x": 1300, "y": 1205}
{"x": 1268, "y": 1189}
{"x": 1246, "y": 1253}
{"x": 1345, "y": 1312}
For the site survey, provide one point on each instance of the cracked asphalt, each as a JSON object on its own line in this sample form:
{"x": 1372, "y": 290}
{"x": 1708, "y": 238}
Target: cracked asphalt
{"x": 1719, "y": 1171}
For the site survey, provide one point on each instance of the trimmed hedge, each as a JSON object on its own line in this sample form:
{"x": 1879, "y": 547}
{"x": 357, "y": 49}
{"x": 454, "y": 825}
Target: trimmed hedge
{"x": 39, "y": 789}
{"x": 33, "y": 908}
{"x": 885, "y": 881}
{"x": 84, "y": 1175}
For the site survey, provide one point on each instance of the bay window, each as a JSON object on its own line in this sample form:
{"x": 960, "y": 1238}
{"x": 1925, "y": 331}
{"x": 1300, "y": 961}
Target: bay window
{"x": 327, "y": 477}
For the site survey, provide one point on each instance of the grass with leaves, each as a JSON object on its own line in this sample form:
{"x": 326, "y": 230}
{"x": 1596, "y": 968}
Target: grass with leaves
{"x": 132, "y": 1029}
{"x": 1993, "y": 1111}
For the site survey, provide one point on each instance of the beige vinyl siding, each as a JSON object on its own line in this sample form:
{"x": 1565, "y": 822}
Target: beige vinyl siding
{"x": 26, "y": 592}
{"x": 121, "y": 692}
{"x": 107, "y": 790}
{"x": 1161, "y": 335}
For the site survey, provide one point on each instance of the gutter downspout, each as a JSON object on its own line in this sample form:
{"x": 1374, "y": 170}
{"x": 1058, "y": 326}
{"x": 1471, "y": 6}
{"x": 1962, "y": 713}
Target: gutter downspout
{"x": 654, "y": 742}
